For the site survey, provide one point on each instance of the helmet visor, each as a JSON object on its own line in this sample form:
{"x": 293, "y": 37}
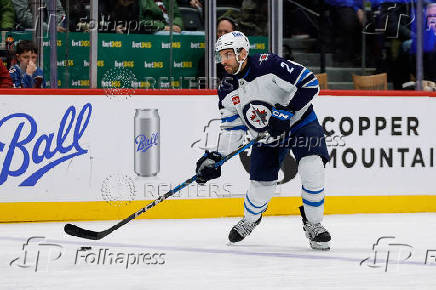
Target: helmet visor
{"x": 224, "y": 55}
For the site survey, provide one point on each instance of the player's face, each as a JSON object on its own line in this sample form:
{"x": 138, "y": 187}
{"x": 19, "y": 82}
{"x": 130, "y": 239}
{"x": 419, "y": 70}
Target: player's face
{"x": 228, "y": 60}
{"x": 224, "y": 27}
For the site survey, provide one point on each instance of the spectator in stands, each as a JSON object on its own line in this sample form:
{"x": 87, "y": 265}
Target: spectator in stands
{"x": 198, "y": 4}
{"x": 5, "y": 78}
{"x": 388, "y": 26}
{"x": 23, "y": 11}
{"x": 224, "y": 25}
{"x": 117, "y": 16}
{"x": 402, "y": 71}
{"x": 25, "y": 74}
{"x": 428, "y": 43}
{"x": 251, "y": 20}
{"x": 7, "y": 15}
{"x": 155, "y": 16}
{"x": 301, "y": 18}
{"x": 78, "y": 14}
{"x": 346, "y": 17}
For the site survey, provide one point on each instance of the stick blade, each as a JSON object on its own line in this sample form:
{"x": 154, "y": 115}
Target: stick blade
{"x": 76, "y": 231}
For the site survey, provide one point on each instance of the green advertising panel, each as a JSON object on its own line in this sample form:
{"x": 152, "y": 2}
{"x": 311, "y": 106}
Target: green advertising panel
{"x": 135, "y": 60}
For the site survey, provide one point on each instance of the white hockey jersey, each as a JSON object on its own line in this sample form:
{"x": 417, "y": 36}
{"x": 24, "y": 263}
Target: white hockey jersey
{"x": 245, "y": 100}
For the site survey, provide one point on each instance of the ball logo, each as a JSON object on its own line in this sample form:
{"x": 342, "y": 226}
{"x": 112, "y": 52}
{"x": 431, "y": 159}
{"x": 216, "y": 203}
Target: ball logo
{"x": 144, "y": 143}
{"x": 31, "y": 149}
{"x": 257, "y": 115}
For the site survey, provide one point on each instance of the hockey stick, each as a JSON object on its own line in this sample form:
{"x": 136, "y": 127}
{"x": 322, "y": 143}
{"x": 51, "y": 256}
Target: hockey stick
{"x": 77, "y": 231}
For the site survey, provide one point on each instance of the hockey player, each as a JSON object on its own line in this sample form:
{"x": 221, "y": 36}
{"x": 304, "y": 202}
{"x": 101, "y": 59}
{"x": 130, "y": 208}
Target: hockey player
{"x": 266, "y": 93}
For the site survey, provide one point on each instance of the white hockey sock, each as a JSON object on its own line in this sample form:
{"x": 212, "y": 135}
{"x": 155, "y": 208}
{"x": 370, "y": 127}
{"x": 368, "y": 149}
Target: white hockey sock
{"x": 311, "y": 170}
{"x": 257, "y": 198}
{"x": 314, "y": 210}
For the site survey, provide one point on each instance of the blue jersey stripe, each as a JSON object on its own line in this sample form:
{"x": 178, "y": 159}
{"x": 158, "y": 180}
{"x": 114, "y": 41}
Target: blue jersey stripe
{"x": 229, "y": 119}
{"x": 313, "y": 83}
{"x": 308, "y": 79}
{"x": 303, "y": 75}
{"x": 241, "y": 127}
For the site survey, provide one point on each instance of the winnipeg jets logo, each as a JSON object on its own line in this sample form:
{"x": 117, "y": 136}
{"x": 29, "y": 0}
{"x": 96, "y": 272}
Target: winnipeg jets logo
{"x": 257, "y": 115}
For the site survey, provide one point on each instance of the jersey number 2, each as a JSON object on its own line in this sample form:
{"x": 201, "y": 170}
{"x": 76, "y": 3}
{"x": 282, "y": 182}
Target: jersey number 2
{"x": 287, "y": 67}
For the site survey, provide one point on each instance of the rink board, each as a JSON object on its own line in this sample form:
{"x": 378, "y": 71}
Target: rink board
{"x": 209, "y": 208}
{"x": 69, "y": 155}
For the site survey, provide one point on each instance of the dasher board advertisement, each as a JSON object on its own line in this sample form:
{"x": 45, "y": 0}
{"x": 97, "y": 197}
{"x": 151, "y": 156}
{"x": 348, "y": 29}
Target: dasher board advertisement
{"x": 83, "y": 147}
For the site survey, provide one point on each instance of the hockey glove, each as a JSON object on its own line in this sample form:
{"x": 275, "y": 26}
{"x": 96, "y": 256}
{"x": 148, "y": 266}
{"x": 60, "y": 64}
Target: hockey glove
{"x": 206, "y": 169}
{"x": 280, "y": 120}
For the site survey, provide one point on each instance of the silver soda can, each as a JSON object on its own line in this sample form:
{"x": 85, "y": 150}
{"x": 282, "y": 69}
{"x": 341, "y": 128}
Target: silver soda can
{"x": 147, "y": 142}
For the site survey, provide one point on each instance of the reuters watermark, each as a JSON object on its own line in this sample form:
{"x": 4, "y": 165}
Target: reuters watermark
{"x": 118, "y": 189}
{"x": 211, "y": 189}
{"x": 119, "y": 83}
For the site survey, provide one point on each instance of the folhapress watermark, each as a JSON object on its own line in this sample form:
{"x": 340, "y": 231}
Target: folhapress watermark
{"x": 108, "y": 257}
{"x": 388, "y": 255}
{"x": 37, "y": 254}
{"x": 41, "y": 255}
{"x": 430, "y": 257}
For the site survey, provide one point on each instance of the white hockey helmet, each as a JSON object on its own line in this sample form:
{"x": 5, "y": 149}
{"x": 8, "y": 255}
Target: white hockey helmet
{"x": 235, "y": 40}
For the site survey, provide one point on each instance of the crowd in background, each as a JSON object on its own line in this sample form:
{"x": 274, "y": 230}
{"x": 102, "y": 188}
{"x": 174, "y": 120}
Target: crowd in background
{"x": 389, "y": 27}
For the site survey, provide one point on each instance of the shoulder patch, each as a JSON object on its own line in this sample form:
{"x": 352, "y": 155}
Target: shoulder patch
{"x": 236, "y": 100}
{"x": 263, "y": 57}
{"x": 12, "y": 70}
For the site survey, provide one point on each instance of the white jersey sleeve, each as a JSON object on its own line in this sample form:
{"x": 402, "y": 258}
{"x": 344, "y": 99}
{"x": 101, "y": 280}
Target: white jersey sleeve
{"x": 233, "y": 130}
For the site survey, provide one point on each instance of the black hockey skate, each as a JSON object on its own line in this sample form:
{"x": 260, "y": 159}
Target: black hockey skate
{"x": 242, "y": 229}
{"x": 318, "y": 236}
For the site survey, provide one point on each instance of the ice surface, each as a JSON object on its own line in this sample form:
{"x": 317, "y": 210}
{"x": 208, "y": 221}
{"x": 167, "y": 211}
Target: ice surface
{"x": 196, "y": 255}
